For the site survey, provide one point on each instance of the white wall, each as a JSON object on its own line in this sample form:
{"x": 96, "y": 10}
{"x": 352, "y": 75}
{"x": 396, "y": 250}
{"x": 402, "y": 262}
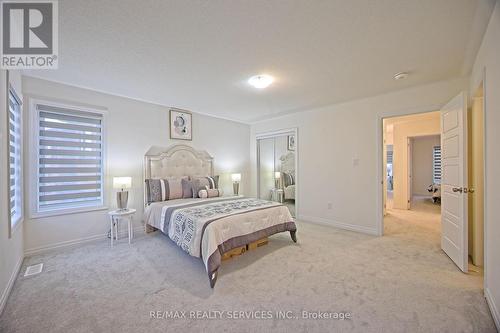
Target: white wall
{"x": 132, "y": 127}
{"x": 338, "y": 152}
{"x": 422, "y": 163}
{"x": 11, "y": 249}
{"x": 487, "y": 61}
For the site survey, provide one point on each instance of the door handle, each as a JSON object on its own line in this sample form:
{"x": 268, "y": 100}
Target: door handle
{"x": 457, "y": 189}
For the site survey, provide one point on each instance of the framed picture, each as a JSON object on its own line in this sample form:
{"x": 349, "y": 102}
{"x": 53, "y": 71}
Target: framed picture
{"x": 291, "y": 142}
{"x": 181, "y": 126}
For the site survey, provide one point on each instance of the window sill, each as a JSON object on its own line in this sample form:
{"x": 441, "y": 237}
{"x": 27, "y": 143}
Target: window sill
{"x": 80, "y": 210}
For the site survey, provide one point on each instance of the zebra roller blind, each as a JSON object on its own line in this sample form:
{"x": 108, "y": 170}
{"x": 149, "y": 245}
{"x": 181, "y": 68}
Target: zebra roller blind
{"x": 14, "y": 157}
{"x": 437, "y": 164}
{"x": 70, "y": 158}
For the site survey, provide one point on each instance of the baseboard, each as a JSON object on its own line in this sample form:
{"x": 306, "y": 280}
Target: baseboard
{"x": 340, "y": 225}
{"x": 493, "y": 308}
{"x": 10, "y": 284}
{"x": 77, "y": 242}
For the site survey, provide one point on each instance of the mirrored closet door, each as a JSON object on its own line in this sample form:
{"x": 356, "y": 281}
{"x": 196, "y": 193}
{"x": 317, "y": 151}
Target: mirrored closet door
{"x": 276, "y": 162}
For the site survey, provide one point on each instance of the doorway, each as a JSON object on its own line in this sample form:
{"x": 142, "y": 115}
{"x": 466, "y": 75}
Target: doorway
{"x": 277, "y": 168}
{"x": 457, "y": 179}
{"x": 411, "y": 147}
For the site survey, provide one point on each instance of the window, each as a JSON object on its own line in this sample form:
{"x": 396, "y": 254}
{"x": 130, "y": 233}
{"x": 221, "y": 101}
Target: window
{"x": 436, "y": 165}
{"x": 70, "y": 158}
{"x": 15, "y": 158}
{"x": 389, "y": 156}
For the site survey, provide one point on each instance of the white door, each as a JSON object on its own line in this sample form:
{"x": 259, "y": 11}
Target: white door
{"x": 454, "y": 181}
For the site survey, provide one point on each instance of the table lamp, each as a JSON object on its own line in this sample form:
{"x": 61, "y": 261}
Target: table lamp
{"x": 236, "y": 177}
{"x": 277, "y": 178}
{"x": 122, "y": 183}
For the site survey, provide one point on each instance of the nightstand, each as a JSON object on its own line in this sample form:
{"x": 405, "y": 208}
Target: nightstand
{"x": 277, "y": 195}
{"x": 115, "y": 216}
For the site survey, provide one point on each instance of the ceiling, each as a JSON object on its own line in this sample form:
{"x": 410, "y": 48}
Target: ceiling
{"x": 198, "y": 55}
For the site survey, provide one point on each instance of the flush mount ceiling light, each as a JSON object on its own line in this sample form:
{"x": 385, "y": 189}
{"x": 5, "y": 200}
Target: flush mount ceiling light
{"x": 260, "y": 81}
{"x": 401, "y": 75}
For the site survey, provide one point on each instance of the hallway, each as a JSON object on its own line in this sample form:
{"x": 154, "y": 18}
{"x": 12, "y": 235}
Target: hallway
{"x": 422, "y": 221}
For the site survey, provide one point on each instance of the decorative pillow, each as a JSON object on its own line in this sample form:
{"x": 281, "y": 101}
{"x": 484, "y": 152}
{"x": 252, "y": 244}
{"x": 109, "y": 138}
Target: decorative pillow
{"x": 171, "y": 188}
{"x": 153, "y": 190}
{"x": 201, "y": 183}
{"x": 210, "y": 193}
{"x": 164, "y": 189}
{"x": 187, "y": 188}
{"x": 288, "y": 179}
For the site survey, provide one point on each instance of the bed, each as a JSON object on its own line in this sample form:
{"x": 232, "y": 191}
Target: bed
{"x": 207, "y": 228}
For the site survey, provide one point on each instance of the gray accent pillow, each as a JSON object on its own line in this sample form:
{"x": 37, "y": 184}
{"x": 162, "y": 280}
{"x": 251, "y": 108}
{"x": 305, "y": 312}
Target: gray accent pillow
{"x": 187, "y": 189}
{"x": 153, "y": 190}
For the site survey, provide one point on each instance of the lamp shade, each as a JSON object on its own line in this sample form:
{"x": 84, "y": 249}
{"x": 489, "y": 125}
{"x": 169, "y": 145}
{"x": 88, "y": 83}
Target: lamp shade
{"x": 236, "y": 177}
{"x": 277, "y": 175}
{"x": 122, "y": 182}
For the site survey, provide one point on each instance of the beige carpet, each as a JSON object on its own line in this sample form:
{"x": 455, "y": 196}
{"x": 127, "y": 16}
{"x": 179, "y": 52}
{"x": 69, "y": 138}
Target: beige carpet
{"x": 401, "y": 282}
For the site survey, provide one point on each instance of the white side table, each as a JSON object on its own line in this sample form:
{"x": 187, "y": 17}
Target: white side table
{"x": 116, "y": 215}
{"x": 277, "y": 195}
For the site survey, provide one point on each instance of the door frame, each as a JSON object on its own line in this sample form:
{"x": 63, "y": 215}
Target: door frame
{"x": 475, "y": 87}
{"x": 381, "y": 168}
{"x": 273, "y": 134}
{"x": 409, "y": 168}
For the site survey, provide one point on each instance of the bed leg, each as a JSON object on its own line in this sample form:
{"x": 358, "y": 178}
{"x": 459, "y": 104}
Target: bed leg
{"x": 148, "y": 228}
{"x": 293, "y": 234}
{"x": 213, "y": 279}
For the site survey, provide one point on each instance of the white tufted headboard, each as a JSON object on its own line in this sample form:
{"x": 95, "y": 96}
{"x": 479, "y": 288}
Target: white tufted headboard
{"x": 176, "y": 161}
{"x": 288, "y": 163}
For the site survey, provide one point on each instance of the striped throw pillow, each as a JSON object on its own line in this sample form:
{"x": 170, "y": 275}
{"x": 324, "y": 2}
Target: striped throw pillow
{"x": 288, "y": 179}
{"x": 165, "y": 189}
{"x": 171, "y": 189}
